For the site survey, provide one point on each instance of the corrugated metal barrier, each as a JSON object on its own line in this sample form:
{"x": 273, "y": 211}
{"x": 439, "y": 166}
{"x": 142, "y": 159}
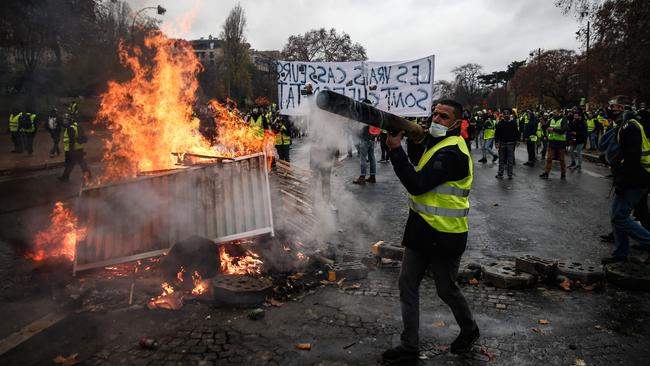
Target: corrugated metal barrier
{"x": 144, "y": 217}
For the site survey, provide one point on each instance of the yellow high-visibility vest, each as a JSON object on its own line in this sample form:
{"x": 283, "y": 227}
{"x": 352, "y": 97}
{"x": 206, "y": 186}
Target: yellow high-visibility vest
{"x": 66, "y": 138}
{"x": 446, "y": 206}
{"x": 14, "y": 121}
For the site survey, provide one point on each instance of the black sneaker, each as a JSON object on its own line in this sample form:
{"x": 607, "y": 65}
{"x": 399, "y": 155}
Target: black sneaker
{"x": 495, "y": 159}
{"x": 499, "y": 176}
{"x": 398, "y": 354}
{"x": 371, "y": 179}
{"x": 610, "y": 260}
{"x": 544, "y": 175}
{"x": 464, "y": 342}
{"x": 563, "y": 177}
{"x": 483, "y": 160}
{"x": 572, "y": 165}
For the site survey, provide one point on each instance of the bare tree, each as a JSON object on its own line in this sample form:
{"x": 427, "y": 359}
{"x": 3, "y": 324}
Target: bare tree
{"x": 443, "y": 89}
{"x": 468, "y": 87}
{"x": 236, "y": 57}
{"x": 323, "y": 45}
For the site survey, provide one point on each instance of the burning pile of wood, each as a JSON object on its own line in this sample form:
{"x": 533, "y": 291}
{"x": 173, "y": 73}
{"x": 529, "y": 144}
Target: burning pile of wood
{"x": 296, "y": 201}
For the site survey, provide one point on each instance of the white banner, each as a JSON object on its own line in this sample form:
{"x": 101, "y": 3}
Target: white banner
{"x": 401, "y": 88}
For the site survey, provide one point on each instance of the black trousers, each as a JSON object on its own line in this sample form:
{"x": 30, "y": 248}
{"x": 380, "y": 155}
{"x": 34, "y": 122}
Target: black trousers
{"x": 530, "y": 146}
{"x": 73, "y": 158}
{"x": 384, "y": 147}
{"x": 17, "y": 141}
{"x": 283, "y": 152}
{"x": 27, "y": 139}
{"x": 445, "y": 269}
{"x": 55, "y": 143}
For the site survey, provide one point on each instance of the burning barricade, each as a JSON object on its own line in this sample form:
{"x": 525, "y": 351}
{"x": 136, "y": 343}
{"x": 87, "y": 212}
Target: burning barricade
{"x": 165, "y": 186}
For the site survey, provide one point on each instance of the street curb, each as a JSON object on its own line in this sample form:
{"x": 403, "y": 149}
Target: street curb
{"x": 31, "y": 168}
{"x": 39, "y": 167}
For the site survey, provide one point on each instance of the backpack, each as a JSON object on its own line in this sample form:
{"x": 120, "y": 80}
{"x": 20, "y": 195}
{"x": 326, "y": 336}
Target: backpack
{"x": 25, "y": 123}
{"x": 609, "y": 150}
{"x": 52, "y": 123}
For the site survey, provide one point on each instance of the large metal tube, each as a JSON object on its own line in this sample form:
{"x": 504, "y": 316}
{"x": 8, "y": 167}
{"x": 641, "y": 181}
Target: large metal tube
{"x": 347, "y": 107}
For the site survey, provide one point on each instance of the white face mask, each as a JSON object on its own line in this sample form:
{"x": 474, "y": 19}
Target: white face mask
{"x": 437, "y": 130}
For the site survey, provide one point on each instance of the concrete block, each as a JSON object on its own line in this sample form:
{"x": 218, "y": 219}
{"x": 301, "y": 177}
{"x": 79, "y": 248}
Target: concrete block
{"x": 351, "y": 271}
{"x": 633, "y": 276}
{"x": 578, "y": 271}
{"x": 503, "y": 274}
{"x": 536, "y": 266}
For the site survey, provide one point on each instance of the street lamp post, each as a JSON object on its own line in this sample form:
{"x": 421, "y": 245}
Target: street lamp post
{"x": 539, "y": 75}
{"x": 587, "y": 73}
{"x": 159, "y": 9}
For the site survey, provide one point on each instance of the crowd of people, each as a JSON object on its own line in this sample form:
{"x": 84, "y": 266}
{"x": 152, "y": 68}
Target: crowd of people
{"x": 23, "y": 126}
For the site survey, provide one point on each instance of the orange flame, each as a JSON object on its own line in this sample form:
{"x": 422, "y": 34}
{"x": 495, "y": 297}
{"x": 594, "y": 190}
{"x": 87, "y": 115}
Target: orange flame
{"x": 167, "y": 289}
{"x": 150, "y": 115}
{"x": 200, "y": 286}
{"x": 248, "y": 264}
{"x": 60, "y": 238}
{"x": 179, "y": 275}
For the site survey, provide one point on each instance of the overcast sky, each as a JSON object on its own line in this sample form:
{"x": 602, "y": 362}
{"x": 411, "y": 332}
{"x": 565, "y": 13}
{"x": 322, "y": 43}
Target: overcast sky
{"x": 492, "y": 33}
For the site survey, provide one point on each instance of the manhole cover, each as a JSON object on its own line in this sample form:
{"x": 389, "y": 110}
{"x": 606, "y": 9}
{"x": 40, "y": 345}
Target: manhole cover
{"x": 240, "y": 290}
{"x": 578, "y": 271}
{"x": 634, "y": 276}
{"x": 504, "y": 274}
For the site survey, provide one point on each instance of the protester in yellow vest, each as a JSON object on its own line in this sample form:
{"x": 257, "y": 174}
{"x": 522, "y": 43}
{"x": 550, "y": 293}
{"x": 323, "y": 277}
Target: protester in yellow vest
{"x": 488, "y": 137}
{"x": 438, "y": 179}
{"x": 557, "y": 129}
{"x": 14, "y": 122}
{"x": 27, "y": 131}
{"x": 282, "y": 129}
{"x": 631, "y": 179}
{"x": 73, "y": 148}
{"x": 258, "y": 122}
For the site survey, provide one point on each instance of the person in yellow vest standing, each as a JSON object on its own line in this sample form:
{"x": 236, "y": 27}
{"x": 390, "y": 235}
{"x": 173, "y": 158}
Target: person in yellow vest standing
{"x": 14, "y": 122}
{"x": 557, "y": 129}
{"x": 438, "y": 179}
{"x": 282, "y": 129}
{"x": 488, "y": 138}
{"x": 73, "y": 148}
{"x": 27, "y": 130}
{"x": 258, "y": 122}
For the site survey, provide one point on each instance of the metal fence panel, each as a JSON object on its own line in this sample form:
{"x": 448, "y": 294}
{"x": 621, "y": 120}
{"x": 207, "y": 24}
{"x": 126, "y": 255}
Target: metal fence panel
{"x": 144, "y": 217}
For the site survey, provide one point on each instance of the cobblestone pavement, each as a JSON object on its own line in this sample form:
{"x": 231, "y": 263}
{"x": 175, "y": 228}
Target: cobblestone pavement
{"x": 542, "y": 325}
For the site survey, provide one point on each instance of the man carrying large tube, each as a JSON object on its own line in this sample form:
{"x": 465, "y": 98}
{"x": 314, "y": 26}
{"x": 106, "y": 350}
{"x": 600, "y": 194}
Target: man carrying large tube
{"x": 438, "y": 178}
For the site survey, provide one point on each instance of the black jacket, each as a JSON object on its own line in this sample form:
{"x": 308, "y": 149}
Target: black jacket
{"x": 578, "y": 131}
{"x": 506, "y": 131}
{"x": 530, "y": 128}
{"x": 629, "y": 174}
{"x": 448, "y": 164}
